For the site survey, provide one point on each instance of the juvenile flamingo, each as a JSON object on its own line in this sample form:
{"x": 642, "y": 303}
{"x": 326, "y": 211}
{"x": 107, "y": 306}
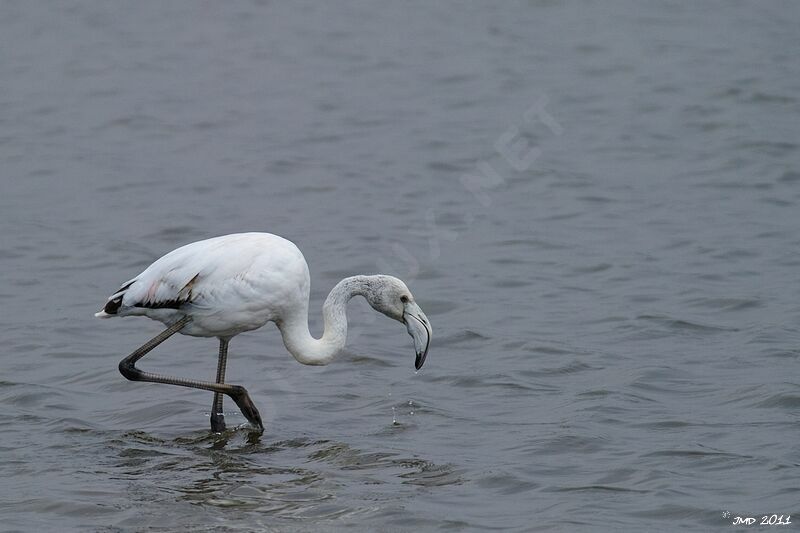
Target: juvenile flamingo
{"x": 224, "y": 286}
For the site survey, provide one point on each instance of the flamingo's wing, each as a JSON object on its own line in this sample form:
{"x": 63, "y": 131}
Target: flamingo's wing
{"x": 168, "y": 291}
{"x": 240, "y": 271}
{"x": 168, "y": 283}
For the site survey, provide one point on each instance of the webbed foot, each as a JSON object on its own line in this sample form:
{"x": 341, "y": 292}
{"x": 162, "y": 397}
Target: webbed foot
{"x": 248, "y": 408}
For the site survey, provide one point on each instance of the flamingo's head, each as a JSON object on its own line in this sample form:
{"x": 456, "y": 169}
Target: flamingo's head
{"x": 391, "y": 297}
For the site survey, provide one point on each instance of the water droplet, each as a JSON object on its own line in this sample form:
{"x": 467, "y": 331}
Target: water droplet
{"x": 394, "y": 418}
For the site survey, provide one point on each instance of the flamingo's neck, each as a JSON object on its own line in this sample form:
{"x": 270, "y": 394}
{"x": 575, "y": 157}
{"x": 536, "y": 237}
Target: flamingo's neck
{"x": 298, "y": 339}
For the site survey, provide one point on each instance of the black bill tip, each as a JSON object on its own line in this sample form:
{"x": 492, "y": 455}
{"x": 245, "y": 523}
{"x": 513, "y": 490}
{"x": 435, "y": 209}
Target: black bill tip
{"x": 420, "y": 360}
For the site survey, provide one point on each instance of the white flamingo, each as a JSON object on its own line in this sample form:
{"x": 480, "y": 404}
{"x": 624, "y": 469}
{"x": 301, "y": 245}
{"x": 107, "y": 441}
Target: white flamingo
{"x": 223, "y": 286}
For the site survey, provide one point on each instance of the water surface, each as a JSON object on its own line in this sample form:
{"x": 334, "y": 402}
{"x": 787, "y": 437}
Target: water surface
{"x": 597, "y": 206}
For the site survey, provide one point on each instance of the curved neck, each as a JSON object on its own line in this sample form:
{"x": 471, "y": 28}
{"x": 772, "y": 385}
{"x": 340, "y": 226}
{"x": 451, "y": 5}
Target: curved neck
{"x": 298, "y": 339}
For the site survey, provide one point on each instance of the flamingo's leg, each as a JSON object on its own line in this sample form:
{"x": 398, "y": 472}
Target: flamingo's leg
{"x": 238, "y": 394}
{"x": 217, "y": 416}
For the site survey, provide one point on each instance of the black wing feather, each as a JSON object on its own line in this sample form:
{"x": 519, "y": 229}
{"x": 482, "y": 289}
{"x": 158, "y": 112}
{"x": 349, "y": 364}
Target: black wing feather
{"x": 184, "y": 297}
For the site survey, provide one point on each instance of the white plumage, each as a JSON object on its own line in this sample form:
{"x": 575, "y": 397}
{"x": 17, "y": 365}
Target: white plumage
{"x": 223, "y": 286}
{"x": 227, "y": 284}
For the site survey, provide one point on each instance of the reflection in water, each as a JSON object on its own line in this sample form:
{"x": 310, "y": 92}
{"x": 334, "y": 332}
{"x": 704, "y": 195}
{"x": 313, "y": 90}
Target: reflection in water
{"x": 238, "y": 470}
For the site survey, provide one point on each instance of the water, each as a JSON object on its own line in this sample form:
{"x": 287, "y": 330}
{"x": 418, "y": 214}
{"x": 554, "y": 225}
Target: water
{"x": 597, "y": 206}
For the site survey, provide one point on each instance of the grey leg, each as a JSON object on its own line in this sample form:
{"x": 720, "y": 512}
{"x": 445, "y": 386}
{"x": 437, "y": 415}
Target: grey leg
{"x": 217, "y": 416}
{"x": 238, "y": 394}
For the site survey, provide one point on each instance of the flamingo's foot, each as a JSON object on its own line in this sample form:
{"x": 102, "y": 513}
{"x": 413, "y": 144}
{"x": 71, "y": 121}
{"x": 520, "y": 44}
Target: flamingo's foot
{"x": 248, "y": 408}
{"x": 217, "y": 422}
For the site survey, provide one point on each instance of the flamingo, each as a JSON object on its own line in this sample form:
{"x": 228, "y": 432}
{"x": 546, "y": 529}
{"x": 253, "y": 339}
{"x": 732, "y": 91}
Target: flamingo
{"x": 227, "y": 285}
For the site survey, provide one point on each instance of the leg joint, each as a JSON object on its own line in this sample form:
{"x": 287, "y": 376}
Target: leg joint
{"x": 129, "y": 370}
{"x": 237, "y": 391}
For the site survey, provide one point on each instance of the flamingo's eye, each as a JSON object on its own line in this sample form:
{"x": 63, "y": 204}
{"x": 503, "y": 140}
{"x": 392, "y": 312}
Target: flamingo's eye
{"x": 404, "y": 299}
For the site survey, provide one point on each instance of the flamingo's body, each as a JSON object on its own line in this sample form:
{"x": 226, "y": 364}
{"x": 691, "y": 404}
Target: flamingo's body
{"x": 227, "y": 284}
{"x": 223, "y": 286}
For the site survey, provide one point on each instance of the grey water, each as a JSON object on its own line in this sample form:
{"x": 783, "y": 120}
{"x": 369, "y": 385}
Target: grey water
{"x": 597, "y": 204}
